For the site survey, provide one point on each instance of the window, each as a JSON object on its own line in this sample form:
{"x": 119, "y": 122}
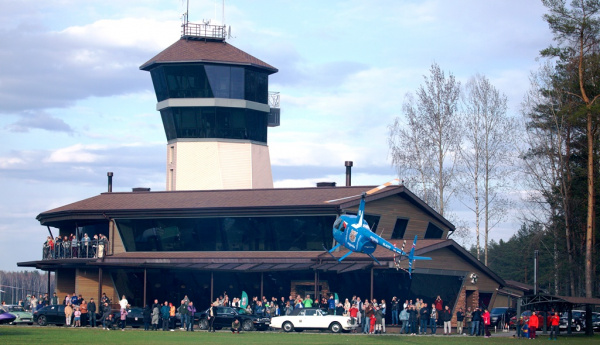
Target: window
{"x": 399, "y": 228}
{"x": 433, "y": 232}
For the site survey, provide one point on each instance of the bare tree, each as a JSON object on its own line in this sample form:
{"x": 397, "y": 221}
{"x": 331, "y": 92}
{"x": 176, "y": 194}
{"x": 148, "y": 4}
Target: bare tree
{"x": 423, "y": 149}
{"x": 486, "y": 158}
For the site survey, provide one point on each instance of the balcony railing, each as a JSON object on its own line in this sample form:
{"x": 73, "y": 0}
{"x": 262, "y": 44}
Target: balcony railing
{"x": 75, "y": 250}
{"x": 204, "y": 31}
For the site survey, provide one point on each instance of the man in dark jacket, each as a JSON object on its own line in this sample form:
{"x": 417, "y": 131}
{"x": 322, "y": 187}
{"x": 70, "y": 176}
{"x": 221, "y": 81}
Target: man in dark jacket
{"x": 164, "y": 314}
{"x": 446, "y": 317}
{"x": 412, "y": 319}
{"x": 183, "y": 313}
{"x": 424, "y": 315}
{"x": 92, "y": 312}
{"x": 105, "y": 314}
{"x": 475, "y": 322}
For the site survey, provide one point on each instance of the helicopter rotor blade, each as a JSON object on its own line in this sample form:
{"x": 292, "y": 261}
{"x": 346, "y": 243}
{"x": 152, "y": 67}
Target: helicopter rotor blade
{"x": 394, "y": 182}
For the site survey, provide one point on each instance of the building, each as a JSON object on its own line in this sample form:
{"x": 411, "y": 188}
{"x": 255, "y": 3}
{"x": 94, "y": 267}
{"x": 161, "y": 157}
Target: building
{"x": 214, "y": 103}
{"x": 221, "y": 227}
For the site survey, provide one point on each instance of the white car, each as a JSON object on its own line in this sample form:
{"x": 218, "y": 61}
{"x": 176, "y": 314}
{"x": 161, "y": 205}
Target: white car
{"x": 312, "y": 318}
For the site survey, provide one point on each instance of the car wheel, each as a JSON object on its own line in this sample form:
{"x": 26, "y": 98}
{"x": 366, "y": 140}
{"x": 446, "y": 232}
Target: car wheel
{"x": 248, "y": 326}
{"x": 335, "y": 327}
{"x": 203, "y": 324}
{"x": 287, "y": 326}
{"x": 578, "y": 328}
{"x": 42, "y": 321}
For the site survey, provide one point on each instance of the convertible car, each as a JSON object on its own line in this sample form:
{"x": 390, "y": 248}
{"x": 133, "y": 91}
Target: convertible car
{"x": 312, "y": 318}
{"x": 22, "y": 315}
{"x": 6, "y": 317}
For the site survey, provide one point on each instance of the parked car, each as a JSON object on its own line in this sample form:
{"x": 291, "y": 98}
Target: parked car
{"x": 577, "y": 321}
{"x": 134, "y": 319}
{"x": 312, "y": 318}
{"x": 6, "y": 317}
{"x": 22, "y": 316}
{"x": 596, "y": 321}
{"x": 501, "y": 316}
{"x": 224, "y": 316}
{"x": 55, "y": 315}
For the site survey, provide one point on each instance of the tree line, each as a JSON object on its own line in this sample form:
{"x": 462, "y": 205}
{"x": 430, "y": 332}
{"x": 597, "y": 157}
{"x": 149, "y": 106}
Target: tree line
{"x": 457, "y": 143}
{"x": 16, "y": 286}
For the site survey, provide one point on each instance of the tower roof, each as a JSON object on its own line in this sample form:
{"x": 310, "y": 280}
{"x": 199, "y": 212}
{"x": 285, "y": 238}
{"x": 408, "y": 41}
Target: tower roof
{"x": 206, "y": 51}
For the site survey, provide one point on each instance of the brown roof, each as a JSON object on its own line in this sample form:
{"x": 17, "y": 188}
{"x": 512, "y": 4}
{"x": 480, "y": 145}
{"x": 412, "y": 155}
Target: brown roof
{"x": 218, "y": 202}
{"x": 205, "y": 51}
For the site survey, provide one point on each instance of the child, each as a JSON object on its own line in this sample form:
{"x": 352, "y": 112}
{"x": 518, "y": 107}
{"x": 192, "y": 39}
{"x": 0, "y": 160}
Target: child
{"x": 77, "y": 317}
{"x": 525, "y": 331}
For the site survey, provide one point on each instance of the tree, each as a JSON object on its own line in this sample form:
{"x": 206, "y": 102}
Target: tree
{"x": 486, "y": 158}
{"x": 423, "y": 149}
{"x": 576, "y": 29}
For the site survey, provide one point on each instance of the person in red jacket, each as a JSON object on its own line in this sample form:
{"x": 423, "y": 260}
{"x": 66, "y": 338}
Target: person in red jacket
{"x": 353, "y": 314}
{"x": 554, "y": 320}
{"x": 533, "y": 325}
{"x": 486, "y": 323}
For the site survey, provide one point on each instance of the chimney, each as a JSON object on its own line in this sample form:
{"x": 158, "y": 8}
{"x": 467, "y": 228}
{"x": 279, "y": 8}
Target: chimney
{"x": 140, "y": 189}
{"x": 325, "y": 184}
{"x": 348, "y": 165}
{"x": 110, "y": 175}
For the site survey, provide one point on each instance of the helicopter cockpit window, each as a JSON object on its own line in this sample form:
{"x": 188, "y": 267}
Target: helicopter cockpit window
{"x": 340, "y": 225}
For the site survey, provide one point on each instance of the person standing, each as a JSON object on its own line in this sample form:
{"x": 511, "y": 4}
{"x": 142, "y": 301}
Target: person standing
{"x": 91, "y": 307}
{"x": 123, "y": 318}
{"x": 183, "y": 313}
{"x": 412, "y": 319}
{"x": 147, "y": 315}
{"x": 460, "y": 317}
{"x": 476, "y": 318}
{"x": 155, "y": 316}
{"x": 331, "y": 305}
{"x": 190, "y": 321}
{"x": 468, "y": 318}
{"x": 439, "y": 306}
{"x": 383, "y": 307}
{"x": 533, "y": 324}
{"x": 211, "y": 318}
{"x": 172, "y": 312}
{"x": 77, "y": 317}
{"x": 486, "y": 323}
{"x": 123, "y": 302}
{"x": 554, "y": 321}
{"x": 308, "y": 303}
{"x": 446, "y": 318}
{"x": 83, "y": 307}
{"x": 424, "y": 317}
{"x": 68, "y": 314}
{"x": 404, "y": 316}
{"x": 105, "y": 315}
{"x": 54, "y": 299}
{"x": 433, "y": 319}
{"x": 395, "y": 311}
{"x": 164, "y": 313}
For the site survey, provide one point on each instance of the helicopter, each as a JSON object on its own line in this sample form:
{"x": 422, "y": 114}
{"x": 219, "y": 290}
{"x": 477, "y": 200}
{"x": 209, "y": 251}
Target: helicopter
{"x": 354, "y": 233}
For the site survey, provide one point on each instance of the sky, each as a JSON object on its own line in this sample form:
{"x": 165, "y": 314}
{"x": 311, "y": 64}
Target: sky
{"x": 74, "y": 103}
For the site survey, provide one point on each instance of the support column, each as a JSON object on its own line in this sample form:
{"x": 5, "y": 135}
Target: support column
{"x": 212, "y": 280}
{"x": 145, "y": 280}
{"x": 316, "y": 287}
{"x": 372, "y": 278}
{"x": 48, "y": 289}
{"x": 262, "y": 280}
{"x": 99, "y": 284}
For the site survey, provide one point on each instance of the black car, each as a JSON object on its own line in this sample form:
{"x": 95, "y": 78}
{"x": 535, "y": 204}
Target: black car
{"x": 577, "y": 322}
{"x": 55, "y": 315}
{"x": 224, "y": 316}
{"x": 501, "y": 316}
{"x": 596, "y": 321}
{"x": 134, "y": 319}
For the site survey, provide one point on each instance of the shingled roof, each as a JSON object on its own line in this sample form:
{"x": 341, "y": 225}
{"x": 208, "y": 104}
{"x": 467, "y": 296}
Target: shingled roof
{"x": 205, "y": 51}
{"x": 218, "y": 202}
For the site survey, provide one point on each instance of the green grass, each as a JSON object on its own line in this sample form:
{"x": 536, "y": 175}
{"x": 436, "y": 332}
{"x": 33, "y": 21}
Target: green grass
{"x": 59, "y": 335}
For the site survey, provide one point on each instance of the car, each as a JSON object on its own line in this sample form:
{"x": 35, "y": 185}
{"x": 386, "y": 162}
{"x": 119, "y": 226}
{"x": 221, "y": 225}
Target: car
{"x": 501, "y": 316}
{"x": 134, "y": 319}
{"x": 22, "y": 315}
{"x": 224, "y": 316}
{"x": 577, "y": 321}
{"x": 312, "y": 318}
{"x": 6, "y": 317}
{"x": 55, "y": 315}
{"x": 596, "y": 321}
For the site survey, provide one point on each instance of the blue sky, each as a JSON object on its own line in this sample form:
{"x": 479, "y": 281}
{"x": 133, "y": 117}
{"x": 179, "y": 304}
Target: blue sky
{"x": 74, "y": 104}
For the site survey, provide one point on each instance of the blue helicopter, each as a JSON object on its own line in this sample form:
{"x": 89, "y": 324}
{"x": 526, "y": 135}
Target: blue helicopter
{"x": 354, "y": 233}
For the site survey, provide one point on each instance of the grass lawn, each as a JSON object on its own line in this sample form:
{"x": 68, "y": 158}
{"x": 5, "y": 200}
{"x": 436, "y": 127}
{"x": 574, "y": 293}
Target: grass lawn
{"x": 59, "y": 335}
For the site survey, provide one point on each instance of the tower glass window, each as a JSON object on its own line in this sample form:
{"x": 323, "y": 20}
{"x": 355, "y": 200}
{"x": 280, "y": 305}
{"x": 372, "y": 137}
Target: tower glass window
{"x": 215, "y": 122}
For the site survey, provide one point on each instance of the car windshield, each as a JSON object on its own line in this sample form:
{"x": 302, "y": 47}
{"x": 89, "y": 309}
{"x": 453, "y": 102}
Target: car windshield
{"x": 241, "y": 311}
{"x": 16, "y": 308}
{"x": 498, "y": 310}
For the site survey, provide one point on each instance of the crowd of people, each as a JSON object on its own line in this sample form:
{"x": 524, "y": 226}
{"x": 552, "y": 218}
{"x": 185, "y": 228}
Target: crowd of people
{"x": 72, "y": 247}
{"x": 369, "y": 316}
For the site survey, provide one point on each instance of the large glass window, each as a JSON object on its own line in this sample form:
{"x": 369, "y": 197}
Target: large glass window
{"x": 433, "y": 232}
{"x": 208, "y": 81}
{"x": 215, "y": 122}
{"x": 399, "y": 228}
{"x": 277, "y": 233}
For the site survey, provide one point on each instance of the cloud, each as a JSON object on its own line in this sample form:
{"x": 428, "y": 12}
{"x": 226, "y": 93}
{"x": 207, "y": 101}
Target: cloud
{"x": 40, "y": 120}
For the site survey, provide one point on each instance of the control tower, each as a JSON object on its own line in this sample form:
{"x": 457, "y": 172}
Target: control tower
{"x": 215, "y": 107}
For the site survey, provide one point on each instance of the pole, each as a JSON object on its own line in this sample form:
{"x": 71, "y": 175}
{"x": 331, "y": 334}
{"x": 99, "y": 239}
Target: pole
{"x": 145, "y": 280}
{"x": 99, "y": 283}
{"x": 535, "y": 271}
{"x": 371, "y": 284}
{"x": 212, "y": 279}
